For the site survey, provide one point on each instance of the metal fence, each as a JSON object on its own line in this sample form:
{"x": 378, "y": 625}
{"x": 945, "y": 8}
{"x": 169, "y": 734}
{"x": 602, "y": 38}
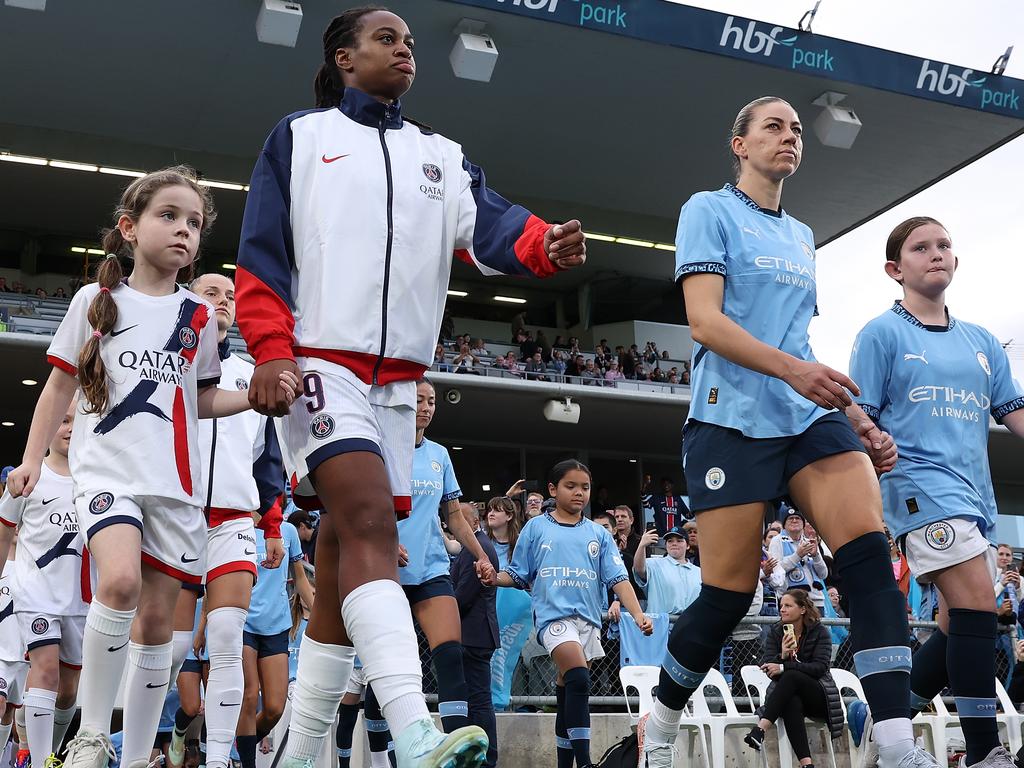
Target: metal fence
{"x": 534, "y": 681}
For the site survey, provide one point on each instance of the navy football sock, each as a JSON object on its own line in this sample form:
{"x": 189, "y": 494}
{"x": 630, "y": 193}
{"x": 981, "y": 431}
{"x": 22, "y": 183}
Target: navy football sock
{"x": 577, "y": 713}
{"x": 347, "y": 716}
{"x": 929, "y": 676}
{"x": 972, "y": 676}
{"x": 565, "y": 753}
{"x": 451, "y": 686}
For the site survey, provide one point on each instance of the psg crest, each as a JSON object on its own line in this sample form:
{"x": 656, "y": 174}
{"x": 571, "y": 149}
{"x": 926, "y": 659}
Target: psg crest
{"x": 322, "y": 426}
{"x": 432, "y": 172}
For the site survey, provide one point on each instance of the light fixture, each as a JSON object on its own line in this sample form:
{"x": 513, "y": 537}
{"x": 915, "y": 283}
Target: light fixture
{"x": 631, "y": 241}
{"x": 229, "y": 266}
{"x": 278, "y": 22}
{"x": 95, "y": 252}
{"x": 836, "y": 126}
{"x": 565, "y": 411}
{"x": 121, "y": 172}
{"x": 632, "y": 461}
{"x": 68, "y": 165}
{"x": 485, "y": 488}
{"x": 664, "y": 247}
{"x": 510, "y": 299}
{"x": 28, "y": 5}
{"x": 29, "y": 382}
{"x": 78, "y": 249}
{"x": 637, "y": 243}
{"x": 221, "y": 185}
{"x": 460, "y": 294}
{"x": 456, "y": 447}
{"x": 6, "y": 423}
{"x": 474, "y": 54}
{"x": 602, "y": 238}
{"x": 24, "y": 159}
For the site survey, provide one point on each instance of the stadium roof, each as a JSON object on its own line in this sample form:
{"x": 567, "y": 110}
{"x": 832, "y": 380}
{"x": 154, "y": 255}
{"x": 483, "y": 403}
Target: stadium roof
{"x": 615, "y": 117}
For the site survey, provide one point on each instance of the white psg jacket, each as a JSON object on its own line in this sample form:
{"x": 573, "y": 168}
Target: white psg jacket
{"x": 351, "y": 222}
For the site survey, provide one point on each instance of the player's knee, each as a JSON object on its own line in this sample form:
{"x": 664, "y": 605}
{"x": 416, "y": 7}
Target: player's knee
{"x": 272, "y": 711}
{"x": 369, "y": 521}
{"x": 577, "y": 681}
{"x": 250, "y": 697}
{"x": 120, "y": 586}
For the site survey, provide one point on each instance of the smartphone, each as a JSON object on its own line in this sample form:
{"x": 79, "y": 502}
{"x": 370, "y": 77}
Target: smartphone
{"x": 787, "y": 630}
{"x": 650, "y": 527}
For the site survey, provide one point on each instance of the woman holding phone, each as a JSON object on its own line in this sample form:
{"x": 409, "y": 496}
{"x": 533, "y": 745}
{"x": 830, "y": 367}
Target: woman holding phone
{"x": 796, "y": 656}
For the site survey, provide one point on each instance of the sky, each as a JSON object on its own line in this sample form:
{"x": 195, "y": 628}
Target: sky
{"x": 981, "y": 206}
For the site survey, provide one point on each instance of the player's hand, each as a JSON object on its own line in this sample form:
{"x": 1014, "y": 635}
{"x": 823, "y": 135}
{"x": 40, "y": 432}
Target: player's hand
{"x": 22, "y": 480}
{"x": 403, "y": 556}
{"x": 268, "y": 390}
{"x": 566, "y": 245}
{"x": 199, "y": 644}
{"x": 880, "y": 446}
{"x": 820, "y": 384}
{"x": 644, "y": 623}
{"x": 614, "y": 612}
{"x": 485, "y": 570}
{"x": 275, "y": 553}
{"x": 649, "y": 539}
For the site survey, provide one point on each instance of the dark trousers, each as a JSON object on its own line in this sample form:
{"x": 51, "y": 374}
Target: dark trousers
{"x": 794, "y": 697}
{"x": 477, "y": 663}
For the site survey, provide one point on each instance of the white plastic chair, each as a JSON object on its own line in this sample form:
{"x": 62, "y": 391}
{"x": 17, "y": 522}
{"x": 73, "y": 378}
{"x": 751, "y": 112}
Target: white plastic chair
{"x": 719, "y": 723}
{"x": 846, "y": 680}
{"x": 644, "y": 680}
{"x": 1009, "y": 718}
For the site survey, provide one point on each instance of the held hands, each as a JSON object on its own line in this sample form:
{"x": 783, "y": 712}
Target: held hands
{"x": 565, "y": 244}
{"x": 820, "y": 384}
{"x": 22, "y": 481}
{"x": 274, "y": 387}
{"x": 485, "y": 572}
{"x": 880, "y": 446}
{"x": 275, "y": 553}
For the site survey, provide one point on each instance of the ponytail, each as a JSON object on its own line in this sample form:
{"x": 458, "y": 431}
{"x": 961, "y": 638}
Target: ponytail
{"x": 328, "y": 87}
{"x": 92, "y": 373}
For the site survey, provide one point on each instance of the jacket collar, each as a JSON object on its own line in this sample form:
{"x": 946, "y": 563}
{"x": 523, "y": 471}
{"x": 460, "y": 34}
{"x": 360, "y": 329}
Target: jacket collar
{"x": 224, "y": 348}
{"x": 366, "y": 110}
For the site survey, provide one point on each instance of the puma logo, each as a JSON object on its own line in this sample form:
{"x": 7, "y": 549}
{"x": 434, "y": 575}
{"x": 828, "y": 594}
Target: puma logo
{"x": 920, "y": 357}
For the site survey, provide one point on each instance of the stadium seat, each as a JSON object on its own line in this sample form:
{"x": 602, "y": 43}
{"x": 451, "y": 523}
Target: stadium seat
{"x": 1009, "y": 718}
{"x": 644, "y": 680}
{"x": 719, "y": 723}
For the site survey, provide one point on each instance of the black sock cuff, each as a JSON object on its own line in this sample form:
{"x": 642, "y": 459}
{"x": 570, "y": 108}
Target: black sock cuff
{"x": 182, "y": 720}
{"x": 577, "y": 678}
{"x": 349, "y": 707}
{"x": 725, "y": 599}
{"x": 864, "y": 548}
{"x": 444, "y": 649}
{"x": 969, "y": 622}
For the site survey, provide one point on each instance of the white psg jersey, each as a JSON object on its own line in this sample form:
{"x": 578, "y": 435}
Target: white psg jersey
{"x": 230, "y": 447}
{"x": 49, "y": 573}
{"x": 161, "y": 351}
{"x": 12, "y": 647}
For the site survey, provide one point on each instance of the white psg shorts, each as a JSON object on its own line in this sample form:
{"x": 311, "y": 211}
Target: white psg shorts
{"x": 337, "y": 413}
{"x": 937, "y": 546}
{"x": 13, "y": 675}
{"x": 173, "y": 532}
{"x": 356, "y": 680}
{"x": 573, "y": 630}
{"x": 231, "y": 548}
{"x": 39, "y": 629}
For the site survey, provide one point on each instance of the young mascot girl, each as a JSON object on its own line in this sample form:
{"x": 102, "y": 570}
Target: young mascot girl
{"x": 568, "y": 562}
{"x": 144, "y": 352}
{"x": 933, "y": 381}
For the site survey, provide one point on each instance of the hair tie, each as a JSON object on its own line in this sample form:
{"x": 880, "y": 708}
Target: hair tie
{"x": 104, "y": 289}
{"x": 111, "y": 255}
{"x": 97, "y": 335}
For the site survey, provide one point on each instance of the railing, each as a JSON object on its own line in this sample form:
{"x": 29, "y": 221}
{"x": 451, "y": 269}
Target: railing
{"x": 631, "y": 385}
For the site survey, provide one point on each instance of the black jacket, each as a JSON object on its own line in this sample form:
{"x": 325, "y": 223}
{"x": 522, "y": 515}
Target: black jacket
{"x": 477, "y": 605}
{"x": 813, "y": 658}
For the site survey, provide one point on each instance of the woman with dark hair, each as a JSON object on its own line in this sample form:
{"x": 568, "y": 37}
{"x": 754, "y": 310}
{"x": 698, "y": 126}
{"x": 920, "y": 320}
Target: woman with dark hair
{"x": 768, "y": 420}
{"x": 797, "y": 652}
{"x": 352, "y": 220}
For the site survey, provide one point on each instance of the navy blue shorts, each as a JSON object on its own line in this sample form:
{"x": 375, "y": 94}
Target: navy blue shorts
{"x": 193, "y": 665}
{"x": 724, "y": 467}
{"x": 435, "y": 587}
{"x": 266, "y": 645}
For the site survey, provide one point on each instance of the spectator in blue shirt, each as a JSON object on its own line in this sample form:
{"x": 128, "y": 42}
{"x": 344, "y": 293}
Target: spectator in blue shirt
{"x": 671, "y": 582}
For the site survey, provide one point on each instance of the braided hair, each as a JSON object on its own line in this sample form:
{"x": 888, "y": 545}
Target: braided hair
{"x": 340, "y": 33}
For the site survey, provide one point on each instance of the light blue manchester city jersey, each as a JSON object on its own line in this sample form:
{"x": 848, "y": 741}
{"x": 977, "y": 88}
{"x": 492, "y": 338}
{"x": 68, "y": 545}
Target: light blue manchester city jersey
{"x": 433, "y": 484}
{"x": 767, "y": 261}
{"x": 568, "y": 569}
{"x": 933, "y": 390}
{"x": 269, "y": 610}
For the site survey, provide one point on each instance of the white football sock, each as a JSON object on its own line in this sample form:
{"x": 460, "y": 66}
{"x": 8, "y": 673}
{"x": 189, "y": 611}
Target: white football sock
{"x": 663, "y": 724}
{"x": 320, "y": 682}
{"x": 5, "y": 735}
{"x": 895, "y": 738}
{"x": 181, "y": 644}
{"x": 378, "y": 619}
{"x": 145, "y": 688}
{"x": 104, "y": 650}
{"x": 225, "y": 683}
{"x": 39, "y": 704}
{"x": 61, "y": 721}
{"x": 19, "y": 721}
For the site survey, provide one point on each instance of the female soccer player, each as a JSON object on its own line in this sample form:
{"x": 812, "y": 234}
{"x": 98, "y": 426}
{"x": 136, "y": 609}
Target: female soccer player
{"x": 933, "y": 381}
{"x": 52, "y": 581}
{"x": 144, "y": 352}
{"x": 568, "y": 562}
{"x": 351, "y": 222}
{"x": 762, "y": 424}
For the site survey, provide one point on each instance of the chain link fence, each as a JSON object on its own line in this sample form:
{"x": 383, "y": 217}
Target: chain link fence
{"x": 534, "y": 681}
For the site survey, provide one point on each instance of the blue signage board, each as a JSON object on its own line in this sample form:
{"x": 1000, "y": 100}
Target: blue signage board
{"x": 664, "y": 23}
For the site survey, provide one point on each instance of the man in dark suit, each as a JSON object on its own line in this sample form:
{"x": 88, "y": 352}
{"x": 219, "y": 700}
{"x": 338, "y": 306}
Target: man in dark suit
{"x": 479, "y": 631}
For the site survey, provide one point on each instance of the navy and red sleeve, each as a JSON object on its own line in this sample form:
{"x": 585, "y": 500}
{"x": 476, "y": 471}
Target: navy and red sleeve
{"x": 266, "y": 255}
{"x": 499, "y": 238}
{"x": 270, "y": 522}
{"x": 268, "y": 468}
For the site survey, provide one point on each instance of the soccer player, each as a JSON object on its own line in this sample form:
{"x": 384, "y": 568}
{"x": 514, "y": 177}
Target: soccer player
{"x": 767, "y": 420}
{"x": 353, "y": 217}
{"x": 51, "y": 578}
{"x": 13, "y": 667}
{"x": 568, "y": 562}
{"x": 933, "y": 381}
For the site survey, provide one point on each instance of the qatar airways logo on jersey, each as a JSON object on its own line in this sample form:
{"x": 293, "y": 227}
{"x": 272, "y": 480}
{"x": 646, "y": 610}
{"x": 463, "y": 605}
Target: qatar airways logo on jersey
{"x": 66, "y": 521}
{"x": 787, "y": 272}
{"x": 949, "y": 402}
{"x": 156, "y": 365}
